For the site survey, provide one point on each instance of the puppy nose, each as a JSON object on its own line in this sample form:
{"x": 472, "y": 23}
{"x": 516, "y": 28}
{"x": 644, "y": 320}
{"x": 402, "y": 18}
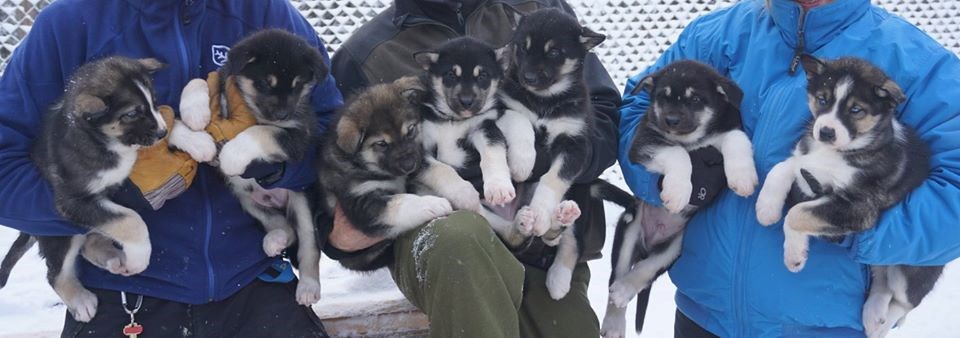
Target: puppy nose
{"x": 408, "y": 165}
{"x": 161, "y": 133}
{"x": 466, "y": 99}
{"x": 282, "y": 114}
{"x": 530, "y": 77}
{"x": 672, "y": 120}
{"x": 827, "y": 134}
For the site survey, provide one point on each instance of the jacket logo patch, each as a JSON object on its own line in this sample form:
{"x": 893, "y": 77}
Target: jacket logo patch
{"x": 219, "y": 53}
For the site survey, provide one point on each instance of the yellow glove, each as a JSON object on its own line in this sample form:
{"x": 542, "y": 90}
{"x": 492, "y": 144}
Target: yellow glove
{"x": 240, "y": 117}
{"x": 161, "y": 173}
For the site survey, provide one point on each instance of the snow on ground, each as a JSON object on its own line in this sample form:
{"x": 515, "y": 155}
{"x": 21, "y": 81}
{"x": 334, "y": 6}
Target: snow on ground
{"x": 30, "y": 308}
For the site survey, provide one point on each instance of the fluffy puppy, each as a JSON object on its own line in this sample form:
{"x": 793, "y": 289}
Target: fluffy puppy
{"x": 855, "y": 161}
{"x": 367, "y": 165}
{"x": 87, "y": 148}
{"x": 275, "y": 72}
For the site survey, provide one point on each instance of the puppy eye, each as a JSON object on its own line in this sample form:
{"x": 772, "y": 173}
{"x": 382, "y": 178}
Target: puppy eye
{"x": 450, "y": 75}
{"x": 856, "y": 110}
{"x": 412, "y": 130}
{"x": 483, "y": 76}
{"x": 261, "y": 85}
{"x": 132, "y": 115}
{"x": 381, "y": 144}
{"x": 821, "y": 100}
{"x": 553, "y": 53}
{"x": 696, "y": 99}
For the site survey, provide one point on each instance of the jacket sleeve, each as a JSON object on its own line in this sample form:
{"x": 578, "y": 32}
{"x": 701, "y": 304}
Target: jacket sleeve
{"x": 923, "y": 229}
{"x": 691, "y": 44}
{"x": 346, "y": 68}
{"x": 325, "y": 98}
{"x": 26, "y": 199}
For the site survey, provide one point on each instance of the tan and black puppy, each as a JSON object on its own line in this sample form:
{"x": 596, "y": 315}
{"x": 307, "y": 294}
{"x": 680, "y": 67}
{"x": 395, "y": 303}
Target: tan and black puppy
{"x": 369, "y": 161}
{"x": 855, "y": 161}
{"x": 87, "y": 148}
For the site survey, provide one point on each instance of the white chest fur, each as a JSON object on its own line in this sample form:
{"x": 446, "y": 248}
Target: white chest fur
{"x": 446, "y": 135}
{"x": 553, "y": 126}
{"x": 126, "y": 156}
{"x": 826, "y": 165}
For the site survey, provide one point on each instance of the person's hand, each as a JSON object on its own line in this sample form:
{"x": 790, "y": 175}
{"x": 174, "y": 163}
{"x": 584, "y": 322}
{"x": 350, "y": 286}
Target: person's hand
{"x": 240, "y": 117}
{"x": 345, "y": 237}
{"x": 158, "y": 175}
{"x": 708, "y": 177}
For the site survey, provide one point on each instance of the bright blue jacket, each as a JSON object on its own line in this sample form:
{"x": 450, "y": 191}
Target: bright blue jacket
{"x": 730, "y": 276}
{"x": 205, "y": 247}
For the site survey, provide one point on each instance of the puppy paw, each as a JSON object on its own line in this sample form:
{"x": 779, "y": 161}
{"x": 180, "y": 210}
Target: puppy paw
{"x": 275, "y": 241}
{"x": 552, "y": 241}
{"x": 234, "y": 158}
{"x": 558, "y": 281}
{"x": 433, "y": 207}
{"x": 497, "y": 192}
{"x": 533, "y": 221}
{"x": 676, "y": 193}
{"x": 82, "y": 305}
{"x": 567, "y": 213}
{"x": 198, "y": 144}
{"x": 308, "y": 291}
{"x": 621, "y": 293}
{"x": 874, "y": 318}
{"x": 521, "y": 164}
{"x": 137, "y": 258}
{"x": 743, "y": 180}
{"x": 769, "y": 211}
{"x": 464, "y": 197}
{"x": 195, "y": 104}
{"x": 614, "y": 326}
{"x": 794, "y": 256}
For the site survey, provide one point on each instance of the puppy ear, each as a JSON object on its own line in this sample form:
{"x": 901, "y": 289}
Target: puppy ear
{"x": 349, "y": 135}
{"x": 411, "y": 89}
{"x": 812, "y": 65}
{"x": 505, "y": 56}
{"x": 645, "y": 84}
{"x": 426, "y": 58}
{"x": 730, "y": 91}
{"x": 891, "y": 92}
{"x": 88, "y": 107}
{"x": 151, "y": 65}
{"x": 590, "y": 39}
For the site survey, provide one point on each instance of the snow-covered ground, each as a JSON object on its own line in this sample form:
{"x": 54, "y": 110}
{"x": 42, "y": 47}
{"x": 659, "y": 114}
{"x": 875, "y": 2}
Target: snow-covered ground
{"x": 29, "y": 308}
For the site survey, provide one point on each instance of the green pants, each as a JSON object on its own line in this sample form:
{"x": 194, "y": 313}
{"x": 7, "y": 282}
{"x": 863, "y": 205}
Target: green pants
{"x": 468, "y": 283}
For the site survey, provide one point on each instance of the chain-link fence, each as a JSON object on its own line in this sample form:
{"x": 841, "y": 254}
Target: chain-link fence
{"x": 638, "y": 30}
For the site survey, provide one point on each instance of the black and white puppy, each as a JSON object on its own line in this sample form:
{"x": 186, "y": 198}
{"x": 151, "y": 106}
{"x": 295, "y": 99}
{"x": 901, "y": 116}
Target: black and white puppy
{"x": 87, "y": 148}
{"x": 645, "y": 245}
{"x": 275, "y": 71}
{"x": 368, "y": 163}
{"x": 545, "y": 85}
{"x": 465, "y": 125}
{"x": 855, "y": 161}
{"x": 692, "y": 107}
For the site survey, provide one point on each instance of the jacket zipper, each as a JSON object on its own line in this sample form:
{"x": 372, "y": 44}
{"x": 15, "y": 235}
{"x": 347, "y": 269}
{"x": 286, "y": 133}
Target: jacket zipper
{"x": 801, "y": 43}
{"x": 182, "y": 20}
{"x": 460, "y": 16}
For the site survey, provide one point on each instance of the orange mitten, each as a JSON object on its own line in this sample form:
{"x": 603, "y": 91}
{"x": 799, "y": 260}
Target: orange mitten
{"x": 160, "y": 172}
{"x": 240, "y": 117}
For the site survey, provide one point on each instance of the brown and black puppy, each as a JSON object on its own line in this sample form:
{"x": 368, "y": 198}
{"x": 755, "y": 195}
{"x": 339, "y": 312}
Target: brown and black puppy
{"x": 855, "y": 162}
{"x": 87, "y": 148}
{"x": 369, "y": 161}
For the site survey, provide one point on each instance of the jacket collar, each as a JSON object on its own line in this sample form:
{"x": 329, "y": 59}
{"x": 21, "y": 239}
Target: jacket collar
{"x": 168, "y": 8}
{"x": 820, "y": 24}
{"x": 406, "y": 12}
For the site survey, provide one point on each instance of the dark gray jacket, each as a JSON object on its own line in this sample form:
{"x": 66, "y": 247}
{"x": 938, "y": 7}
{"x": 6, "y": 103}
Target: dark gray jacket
{"x": 382, "y": 51}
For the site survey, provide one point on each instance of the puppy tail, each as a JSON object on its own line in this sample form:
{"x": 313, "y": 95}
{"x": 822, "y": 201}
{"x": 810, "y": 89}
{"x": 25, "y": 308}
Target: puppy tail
{"x": 20, "y": 246}
{"x": 607, "y": 191}
{"x": 643, "y": 298}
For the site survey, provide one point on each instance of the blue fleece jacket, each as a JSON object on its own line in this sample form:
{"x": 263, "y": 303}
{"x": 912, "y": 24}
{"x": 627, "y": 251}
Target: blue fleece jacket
{"x": 730, "y": 276}
{"x": 205, "y": 247}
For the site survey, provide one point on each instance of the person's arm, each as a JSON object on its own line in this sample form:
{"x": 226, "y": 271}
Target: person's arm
{"x": 923, "y": 229}
{"x": 691, "y": 44}
{"x": 325, "y": 100}
{"x": 26, "y": 199}
{"x": 346, "y": 68}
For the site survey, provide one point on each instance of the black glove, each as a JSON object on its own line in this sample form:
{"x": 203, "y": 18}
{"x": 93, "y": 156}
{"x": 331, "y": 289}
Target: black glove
{"x": 708, "y": 177}
{"x": 266, "y": 173}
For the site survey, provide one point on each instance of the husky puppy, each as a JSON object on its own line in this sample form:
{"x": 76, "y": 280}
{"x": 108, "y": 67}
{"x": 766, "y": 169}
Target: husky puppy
{"x": 367, "y": 165}
{"x": 463, "y": 124}
{"x": 275, "y": 71}
{"x": 87, "y": 148}
{"x": 545, "y": 85}
{"x": 645, "y": 244}
{"x": 855, "y": 161}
